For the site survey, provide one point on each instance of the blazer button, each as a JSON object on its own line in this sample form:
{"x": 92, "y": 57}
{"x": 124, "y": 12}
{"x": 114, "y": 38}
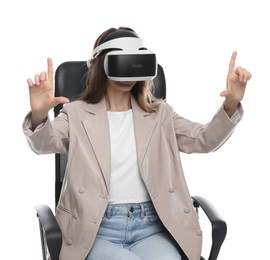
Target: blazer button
{"x": 199, "y": 232}
{"x": 81, "y": 190}
{"x": 75, "y": 215}
{"x": 171, "y": 190}
{"x": 186, "y": 210}
{"x": 69, "y": 242}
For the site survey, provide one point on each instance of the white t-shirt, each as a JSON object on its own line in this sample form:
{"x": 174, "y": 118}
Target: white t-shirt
{"x": 126, "y": 183}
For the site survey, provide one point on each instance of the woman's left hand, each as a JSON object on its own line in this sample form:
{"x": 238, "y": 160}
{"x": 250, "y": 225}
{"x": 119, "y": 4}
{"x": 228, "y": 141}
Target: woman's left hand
{"x": 237, "y": 80}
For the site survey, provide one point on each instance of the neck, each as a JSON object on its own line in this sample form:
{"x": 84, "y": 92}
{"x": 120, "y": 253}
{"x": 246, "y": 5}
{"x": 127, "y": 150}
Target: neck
{"x": 118, "y": 102}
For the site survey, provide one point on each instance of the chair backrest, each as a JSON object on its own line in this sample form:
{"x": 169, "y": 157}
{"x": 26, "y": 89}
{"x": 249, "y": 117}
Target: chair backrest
{"x": 70, "y": 81}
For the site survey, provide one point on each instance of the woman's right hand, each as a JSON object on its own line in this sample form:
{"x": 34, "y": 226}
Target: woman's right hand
{"x": 41, "y": 93}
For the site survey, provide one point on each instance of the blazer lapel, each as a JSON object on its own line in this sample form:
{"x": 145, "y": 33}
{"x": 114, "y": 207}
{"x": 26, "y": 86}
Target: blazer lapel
{"x": 144, "y": 126}
{"x": 97, "y": 129}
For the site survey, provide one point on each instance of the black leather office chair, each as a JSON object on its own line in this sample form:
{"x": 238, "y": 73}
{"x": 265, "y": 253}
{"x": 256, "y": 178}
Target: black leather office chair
{"x": 70, "y": 80}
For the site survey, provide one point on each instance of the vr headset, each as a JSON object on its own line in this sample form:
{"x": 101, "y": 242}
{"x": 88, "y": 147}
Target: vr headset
{"x": 128, "y": 60}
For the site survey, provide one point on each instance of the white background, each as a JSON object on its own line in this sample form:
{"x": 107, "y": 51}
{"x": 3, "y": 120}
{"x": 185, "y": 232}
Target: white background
{"x": 194, "y": 41}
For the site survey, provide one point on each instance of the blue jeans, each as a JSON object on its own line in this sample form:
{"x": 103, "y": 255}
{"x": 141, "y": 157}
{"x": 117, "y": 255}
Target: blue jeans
{"x": 133, "y": 232}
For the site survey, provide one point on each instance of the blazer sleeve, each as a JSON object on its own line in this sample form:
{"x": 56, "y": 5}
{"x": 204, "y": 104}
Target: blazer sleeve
{"x": 48, "y": 137}
{"x": 193, "y": 137}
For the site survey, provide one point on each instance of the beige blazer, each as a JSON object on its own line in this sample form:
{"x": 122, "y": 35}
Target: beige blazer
{"x": 82, "y": 131}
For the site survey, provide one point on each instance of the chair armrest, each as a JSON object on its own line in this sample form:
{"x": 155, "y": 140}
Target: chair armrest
{"x": 219, "y": 226}
{"x": 51, "y": 237}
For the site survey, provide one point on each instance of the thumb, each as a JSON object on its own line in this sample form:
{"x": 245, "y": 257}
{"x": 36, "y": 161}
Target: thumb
{"x": 60, "y": 100}
{"x": 224, "y": 93}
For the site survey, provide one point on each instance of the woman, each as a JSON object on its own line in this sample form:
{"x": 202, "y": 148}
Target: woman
{"x": 124, "y": 194}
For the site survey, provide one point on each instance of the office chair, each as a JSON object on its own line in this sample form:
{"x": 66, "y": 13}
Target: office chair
{"x": 70, "y": 81}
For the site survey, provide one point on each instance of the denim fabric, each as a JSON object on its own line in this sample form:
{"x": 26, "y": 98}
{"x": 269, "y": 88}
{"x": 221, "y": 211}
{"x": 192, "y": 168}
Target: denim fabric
{"x": 133, "y": 232}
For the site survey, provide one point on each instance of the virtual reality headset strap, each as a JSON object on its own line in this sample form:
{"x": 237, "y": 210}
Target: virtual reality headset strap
{"x": 123, "y": 43}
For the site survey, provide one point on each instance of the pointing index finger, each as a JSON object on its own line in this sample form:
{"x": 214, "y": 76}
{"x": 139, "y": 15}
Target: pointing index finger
{"x": 232, "y": 62}
{"x": 50, "y": 69}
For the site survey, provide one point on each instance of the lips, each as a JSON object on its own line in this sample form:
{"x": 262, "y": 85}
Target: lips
{"x": 125, "y": 83}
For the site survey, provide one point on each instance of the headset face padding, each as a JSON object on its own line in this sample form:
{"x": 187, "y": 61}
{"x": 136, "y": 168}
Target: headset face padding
{"x": 128, "y": 59}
